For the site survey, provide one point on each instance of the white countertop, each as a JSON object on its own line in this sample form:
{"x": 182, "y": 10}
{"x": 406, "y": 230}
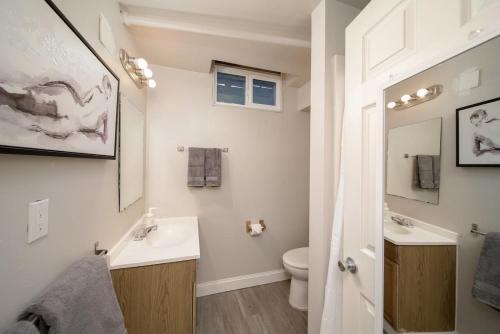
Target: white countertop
{"x": 422, "y": 233}
{"x": 176, "y": 239}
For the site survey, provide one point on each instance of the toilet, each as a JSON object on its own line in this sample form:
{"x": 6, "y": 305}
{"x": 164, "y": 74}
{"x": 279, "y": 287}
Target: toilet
{"x": 296, "y": 262}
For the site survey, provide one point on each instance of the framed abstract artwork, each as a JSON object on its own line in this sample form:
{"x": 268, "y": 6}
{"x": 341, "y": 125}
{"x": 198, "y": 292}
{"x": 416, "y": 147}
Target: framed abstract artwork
{"x": 57, "y": 96}
{"x": 478, "y": 134}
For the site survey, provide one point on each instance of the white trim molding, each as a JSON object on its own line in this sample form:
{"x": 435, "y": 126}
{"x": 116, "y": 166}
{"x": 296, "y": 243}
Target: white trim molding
{"x": 240, "y": 282}
{"x": 231, "y": 32}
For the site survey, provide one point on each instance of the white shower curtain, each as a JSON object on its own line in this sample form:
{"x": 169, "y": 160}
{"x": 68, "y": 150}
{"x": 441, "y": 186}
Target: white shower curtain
{"x": 331, "y": 320}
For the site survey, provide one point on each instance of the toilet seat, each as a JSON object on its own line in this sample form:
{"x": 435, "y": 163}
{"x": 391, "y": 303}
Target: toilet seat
{"x": 297, "y": 258}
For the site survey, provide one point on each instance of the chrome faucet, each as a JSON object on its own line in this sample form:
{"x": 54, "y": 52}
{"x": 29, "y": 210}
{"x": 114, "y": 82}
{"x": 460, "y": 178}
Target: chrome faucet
{"x": 406, "y": 222}
{"x": 142, "y": 232}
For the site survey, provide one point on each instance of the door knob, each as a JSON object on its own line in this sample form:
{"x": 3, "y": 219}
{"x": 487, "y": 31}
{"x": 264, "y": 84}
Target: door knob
{"x": 348, "y": 265}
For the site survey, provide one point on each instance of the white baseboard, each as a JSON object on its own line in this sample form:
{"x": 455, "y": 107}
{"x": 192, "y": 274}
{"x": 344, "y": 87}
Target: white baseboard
{"x": 240, "y": 282}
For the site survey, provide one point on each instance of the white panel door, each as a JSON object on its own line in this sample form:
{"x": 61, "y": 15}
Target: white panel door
{"x": 389, "y": 39}
{"x": 381, "y": 37}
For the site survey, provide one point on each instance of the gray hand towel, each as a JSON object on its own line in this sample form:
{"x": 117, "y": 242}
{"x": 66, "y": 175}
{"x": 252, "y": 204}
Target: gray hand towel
{"x": 196, "y": 167}
{"x": 213, "y": 167}
{"x": 81, "y": 300}
{"x": 22, "y": 327}
{"x": 486, "y": 286}
{"x": 427, "y": 171}
{"x": 436, "y": 170}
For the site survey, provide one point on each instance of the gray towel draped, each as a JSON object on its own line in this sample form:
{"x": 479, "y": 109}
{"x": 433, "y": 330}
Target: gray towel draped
{"x": 213, "y": 167}
{"x": 22, "y": 327}
{"x": 81, "y": 300}
{"x": 486, "y": 287}
{"x": 196, "y": 167}
{"x": 428, "y": 171}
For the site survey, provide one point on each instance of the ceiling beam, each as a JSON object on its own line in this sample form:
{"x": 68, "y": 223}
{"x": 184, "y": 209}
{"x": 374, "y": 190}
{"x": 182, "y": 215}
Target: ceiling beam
{"x": 230, "y": 32}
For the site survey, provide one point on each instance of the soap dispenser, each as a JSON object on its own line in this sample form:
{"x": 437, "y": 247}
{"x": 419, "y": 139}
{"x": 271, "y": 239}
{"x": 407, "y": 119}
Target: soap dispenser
{"x": 149, "y": 217}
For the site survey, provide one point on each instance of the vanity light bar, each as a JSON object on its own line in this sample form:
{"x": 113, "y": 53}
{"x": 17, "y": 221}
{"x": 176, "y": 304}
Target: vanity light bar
{"x": 137, "y": 69}
{"x": 420, "y": 96}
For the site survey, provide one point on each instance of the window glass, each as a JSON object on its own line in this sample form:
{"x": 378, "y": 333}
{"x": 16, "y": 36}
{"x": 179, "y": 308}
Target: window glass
{"x": 231, "y": 88}
{"x": 264, "y": 92}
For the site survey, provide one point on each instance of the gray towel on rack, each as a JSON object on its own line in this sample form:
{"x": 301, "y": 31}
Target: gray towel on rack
{"x": 213, "y": 167}
{"x": 436, "y": 170}
{"x": 486, "y": 287}
{"x": 196, "y": 167}
{"x": 428, "y": 171}
{"x": 81, "y": 300}
{"x": 22, "y": 327}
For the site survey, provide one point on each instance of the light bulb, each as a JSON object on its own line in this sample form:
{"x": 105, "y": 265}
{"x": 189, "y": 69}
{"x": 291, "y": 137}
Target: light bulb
{"x": 140, "y": 63}
{"x": 405, "y": 98}
{"x": 147, "y": 73}
{"x": 151, "y": 83}
{"x": 391, "y": 105}
{"x": 422, "y": 92}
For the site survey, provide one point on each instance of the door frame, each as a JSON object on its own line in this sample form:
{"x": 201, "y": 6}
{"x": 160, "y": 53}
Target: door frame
{"x": 381, "y": 191}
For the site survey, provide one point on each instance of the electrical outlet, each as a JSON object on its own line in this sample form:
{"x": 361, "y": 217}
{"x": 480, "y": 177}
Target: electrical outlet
{"x": 38, "y": 225}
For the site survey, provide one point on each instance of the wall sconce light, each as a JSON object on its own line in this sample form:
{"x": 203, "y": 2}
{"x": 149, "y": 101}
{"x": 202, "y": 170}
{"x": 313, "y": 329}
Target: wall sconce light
{"x": 420, "y": 96}
{"x": 138, "y": 70}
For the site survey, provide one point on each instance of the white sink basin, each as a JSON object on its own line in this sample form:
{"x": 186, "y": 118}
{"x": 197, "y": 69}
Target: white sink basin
{"x": 397, "y": 229}
{"x": 168, "y": 234}
{"x": 176, "y": 239}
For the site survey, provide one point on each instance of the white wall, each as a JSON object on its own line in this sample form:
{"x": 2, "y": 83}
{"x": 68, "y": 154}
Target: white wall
{"x": 329, "y": 20}
{"x": 467, "y": 195}
{"x": 83, "y": 193}
{"x": 265, "y": 173}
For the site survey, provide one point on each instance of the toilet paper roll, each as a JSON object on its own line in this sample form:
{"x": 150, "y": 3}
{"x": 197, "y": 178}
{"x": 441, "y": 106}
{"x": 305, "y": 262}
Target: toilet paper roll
{"x": 255, "y": 229}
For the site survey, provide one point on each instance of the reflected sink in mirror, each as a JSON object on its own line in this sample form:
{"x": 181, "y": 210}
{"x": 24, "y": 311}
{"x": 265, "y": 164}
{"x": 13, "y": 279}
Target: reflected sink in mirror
{"x": 397, "y": 229}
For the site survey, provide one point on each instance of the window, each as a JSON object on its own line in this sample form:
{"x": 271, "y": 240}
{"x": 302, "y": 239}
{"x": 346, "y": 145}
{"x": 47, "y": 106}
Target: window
{"x": 264, "y": 92}
{"x": 238, "y": 86}
{"x": 231, "y": 88}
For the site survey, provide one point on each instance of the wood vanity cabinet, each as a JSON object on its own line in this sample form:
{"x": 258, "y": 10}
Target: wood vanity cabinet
{"x": 159, "y": 298}
{"x": 419, "y": 287}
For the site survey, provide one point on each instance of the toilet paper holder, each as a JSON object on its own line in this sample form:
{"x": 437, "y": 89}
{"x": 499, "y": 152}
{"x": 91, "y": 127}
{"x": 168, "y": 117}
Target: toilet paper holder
{"x": 261, "y": 222}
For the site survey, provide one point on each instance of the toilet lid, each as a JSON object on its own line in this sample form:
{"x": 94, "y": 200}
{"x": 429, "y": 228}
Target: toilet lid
{"x": 298, "y": 258}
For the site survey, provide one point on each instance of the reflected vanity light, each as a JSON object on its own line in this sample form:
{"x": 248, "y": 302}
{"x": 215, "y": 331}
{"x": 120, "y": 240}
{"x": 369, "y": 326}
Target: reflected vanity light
{"x": 420, "y": 96}
{"x": 405, "y": 98}
{"x": 422, "y": 92}
{"x": 137, "y": 69}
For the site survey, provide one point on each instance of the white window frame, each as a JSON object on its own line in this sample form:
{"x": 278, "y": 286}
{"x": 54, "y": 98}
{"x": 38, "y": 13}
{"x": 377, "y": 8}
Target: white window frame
{"x": 249, "y": 77}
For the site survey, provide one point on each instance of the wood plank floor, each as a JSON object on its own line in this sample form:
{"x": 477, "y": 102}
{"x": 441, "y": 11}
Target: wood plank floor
{"x": 263, "y": 309}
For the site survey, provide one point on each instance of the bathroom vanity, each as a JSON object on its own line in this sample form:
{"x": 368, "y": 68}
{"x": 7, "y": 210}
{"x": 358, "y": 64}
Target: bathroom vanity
{"x": 158, "y": 298}
{"x": 155, "y": 278}
{"x": 420, "y": 278}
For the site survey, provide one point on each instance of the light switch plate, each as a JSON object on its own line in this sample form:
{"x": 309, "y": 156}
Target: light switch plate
{"x": 38, "y": 225}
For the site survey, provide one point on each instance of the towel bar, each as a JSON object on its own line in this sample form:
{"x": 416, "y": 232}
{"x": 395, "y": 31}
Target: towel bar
{"x": 37, "y": 320}
{"x": 182, "y": 149}
{"x": 475, "y": 230}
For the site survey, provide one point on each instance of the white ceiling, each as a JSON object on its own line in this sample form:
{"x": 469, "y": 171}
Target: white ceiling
{"x": 189, "y": 34}
{"x": 290, "y": 13}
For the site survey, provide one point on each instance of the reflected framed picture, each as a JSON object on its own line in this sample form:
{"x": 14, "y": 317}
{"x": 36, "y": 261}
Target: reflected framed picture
{"x": 57, "y": 96}
{"x": 478, "y": 134}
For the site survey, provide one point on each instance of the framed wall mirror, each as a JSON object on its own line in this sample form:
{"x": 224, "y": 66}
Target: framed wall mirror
{"x": 434, "y": 266}
{"x": 131, "y": 171}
